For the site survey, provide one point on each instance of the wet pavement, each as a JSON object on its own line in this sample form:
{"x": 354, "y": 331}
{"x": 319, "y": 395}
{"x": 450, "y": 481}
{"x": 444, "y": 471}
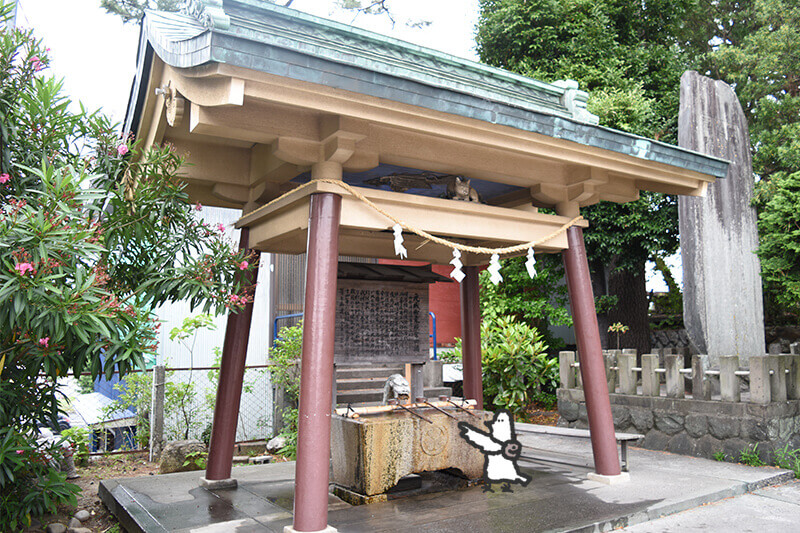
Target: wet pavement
{"x": 559, "y": 498}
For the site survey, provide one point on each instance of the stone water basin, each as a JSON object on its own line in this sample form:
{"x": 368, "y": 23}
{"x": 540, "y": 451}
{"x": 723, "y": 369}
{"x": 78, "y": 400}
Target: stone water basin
{"x": 373, "y": 452}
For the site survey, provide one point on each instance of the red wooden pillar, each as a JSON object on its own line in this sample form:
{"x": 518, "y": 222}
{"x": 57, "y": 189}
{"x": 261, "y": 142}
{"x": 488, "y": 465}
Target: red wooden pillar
{"x": 316, "y": 371}
{"x": 229, "y": 391}
{"x": 593, "y": 372}
{"x": 471, "y": 336}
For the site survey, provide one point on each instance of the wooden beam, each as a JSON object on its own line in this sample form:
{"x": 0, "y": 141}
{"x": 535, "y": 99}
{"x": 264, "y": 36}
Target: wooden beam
{"x": 452, "y": 156}
{"x": 154, "y": 121}
{"x": 513, "y": 199}
{"x": 256, "y": 122}
{"x": 265, "y": 165}
{"x": 212, "y": 163}
{"x": 281, "y": 227}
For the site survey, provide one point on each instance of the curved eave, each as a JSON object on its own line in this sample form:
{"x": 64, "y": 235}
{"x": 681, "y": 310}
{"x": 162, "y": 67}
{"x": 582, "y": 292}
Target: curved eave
{"x": 227, "y": 47}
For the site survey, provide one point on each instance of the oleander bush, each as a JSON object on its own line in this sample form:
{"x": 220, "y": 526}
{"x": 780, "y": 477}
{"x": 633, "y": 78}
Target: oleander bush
{"x": 94, "y": 233}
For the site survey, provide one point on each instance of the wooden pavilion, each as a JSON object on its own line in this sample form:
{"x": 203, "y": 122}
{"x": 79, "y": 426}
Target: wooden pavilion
{"x": 275, "y": 110}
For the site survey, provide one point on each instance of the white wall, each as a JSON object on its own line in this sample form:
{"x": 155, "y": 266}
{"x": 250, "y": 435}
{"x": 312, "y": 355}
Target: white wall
{"x": 256, "y": 407}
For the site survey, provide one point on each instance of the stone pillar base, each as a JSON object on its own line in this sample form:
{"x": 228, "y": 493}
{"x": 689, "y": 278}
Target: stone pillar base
{"x": 609, "y": 480}
{"x": 329, "y": 529}
{"x": 217, "y": 484}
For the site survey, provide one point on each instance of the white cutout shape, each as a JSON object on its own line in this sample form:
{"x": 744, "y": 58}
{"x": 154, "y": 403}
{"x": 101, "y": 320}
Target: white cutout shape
{"x": 457, "y": 274}
{"x": 530, "y": 264}
{"x": 399, "y": 249}
{"x": 494, "y": 269}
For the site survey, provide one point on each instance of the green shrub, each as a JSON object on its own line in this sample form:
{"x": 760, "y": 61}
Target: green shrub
{"x": 136, "y": 393}
{"x": 284, "y": 358}
{"x": 778, "y": 202}
{"x": 289, "y": 432}
{"x": 91, "y": 239}
{"x": 538, "y": 302}
{"x": 547, "y": 400}
{"x": 449, "y": 356}
{"x": 205, "y": 436}
{"x": 197, "y": 460}
{"x": 29, "y": 484}
{"x": 515, "y": 364}
{"x": 285, "y": 372}
{"x": 79, "y": 439}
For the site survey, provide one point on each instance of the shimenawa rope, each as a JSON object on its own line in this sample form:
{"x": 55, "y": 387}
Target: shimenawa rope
{"x": 424, "y": 234}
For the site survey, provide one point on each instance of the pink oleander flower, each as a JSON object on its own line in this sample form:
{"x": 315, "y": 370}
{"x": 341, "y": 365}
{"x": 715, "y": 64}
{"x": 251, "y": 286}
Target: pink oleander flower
{"x": 44, "y": 341}
{"x": 243, "y": 265}
{"x": 122, "y": 149}
{"x": 221, "y": 228}
{"x": 36, "y": 63}
{"x": 198, "y": 207}
{"x": 233, "y": 299}
{"x": 20, "y": 452}
{"x": 23, "y": 268}
{"x": 5, "y": 178}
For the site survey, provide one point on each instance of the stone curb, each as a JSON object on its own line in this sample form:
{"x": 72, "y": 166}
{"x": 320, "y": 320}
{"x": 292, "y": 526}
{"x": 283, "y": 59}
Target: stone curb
{"x": 659, "y": 511}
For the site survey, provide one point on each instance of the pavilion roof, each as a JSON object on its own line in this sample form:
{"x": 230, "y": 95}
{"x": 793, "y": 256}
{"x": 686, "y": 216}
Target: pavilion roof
{"x": 261, "y": 36}
{"x": 258, "y": 97}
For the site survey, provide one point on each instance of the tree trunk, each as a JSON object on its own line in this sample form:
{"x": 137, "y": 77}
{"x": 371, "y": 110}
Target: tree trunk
{"x": 631, "y": 310}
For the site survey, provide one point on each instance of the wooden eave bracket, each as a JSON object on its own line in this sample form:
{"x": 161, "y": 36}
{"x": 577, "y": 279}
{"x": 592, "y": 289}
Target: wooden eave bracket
{"x": 207, "y": 91}
{"x": 237, "y": 194}
{"x": 339, "y": 140}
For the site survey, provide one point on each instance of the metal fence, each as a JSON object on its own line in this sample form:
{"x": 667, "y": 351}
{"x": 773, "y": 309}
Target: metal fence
{"x": 119, "y": 413}
{"x": 191, "y": 396}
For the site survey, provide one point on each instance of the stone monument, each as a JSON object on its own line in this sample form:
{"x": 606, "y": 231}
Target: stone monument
{"x": 722, "y": 303}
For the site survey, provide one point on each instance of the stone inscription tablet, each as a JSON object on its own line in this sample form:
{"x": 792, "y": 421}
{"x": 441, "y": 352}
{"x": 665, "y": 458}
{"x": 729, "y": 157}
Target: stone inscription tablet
{"x": 381, "y": 322}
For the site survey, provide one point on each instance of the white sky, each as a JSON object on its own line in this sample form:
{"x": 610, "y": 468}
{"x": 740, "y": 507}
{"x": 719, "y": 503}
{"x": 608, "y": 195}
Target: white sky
{"x": 95, "y": 53}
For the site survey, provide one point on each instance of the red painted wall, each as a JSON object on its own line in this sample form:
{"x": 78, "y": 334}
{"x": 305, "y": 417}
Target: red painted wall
{"x": 443, "y": 300}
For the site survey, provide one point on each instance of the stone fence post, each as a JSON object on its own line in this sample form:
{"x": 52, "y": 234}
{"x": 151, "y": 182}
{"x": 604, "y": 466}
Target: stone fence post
{"x": 728, "y": 380}
{"x": 701, "y": 387}
{"x": 759, "y": 379}
{"x": 627, "y": 377}
{"x": 650, "y": 381}
{"x": 565, "y": 369}
{"x": 777, "y": 380}
{"x": 675, "y": 386}
{"x": 611, "y": 358}
{"x": 793, "y": 378}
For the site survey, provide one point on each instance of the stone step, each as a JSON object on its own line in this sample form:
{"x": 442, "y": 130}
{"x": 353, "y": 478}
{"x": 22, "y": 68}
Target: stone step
{"x": 359, "y": 396}
{"x": 360, "y": 383}
{"x": 368, "y": 372}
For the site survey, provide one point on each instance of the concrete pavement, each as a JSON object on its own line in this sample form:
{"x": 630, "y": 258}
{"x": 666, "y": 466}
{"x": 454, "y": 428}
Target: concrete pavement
{"x": 559, "y": 498}
{"x": 768, "y": 510}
